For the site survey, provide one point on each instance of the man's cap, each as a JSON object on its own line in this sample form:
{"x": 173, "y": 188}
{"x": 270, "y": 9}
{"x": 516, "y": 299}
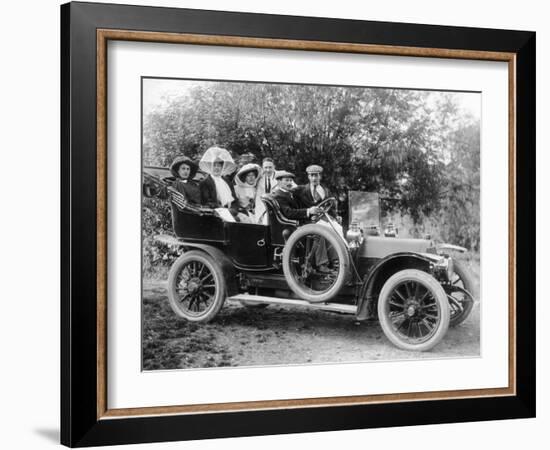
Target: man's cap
{"x": 314, "y": 168}
{"x": 283, "y": 174}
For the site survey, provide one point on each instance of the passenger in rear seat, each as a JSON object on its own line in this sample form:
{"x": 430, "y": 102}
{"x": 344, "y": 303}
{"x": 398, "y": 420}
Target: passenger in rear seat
{"x": 184, "y": 170}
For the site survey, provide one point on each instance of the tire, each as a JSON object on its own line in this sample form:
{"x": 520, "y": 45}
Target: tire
{"x": 465, "y": 280}
{"x": 196, "y": 287}
{"x": 291, "y": 265}
{"x": 419, "y": 298}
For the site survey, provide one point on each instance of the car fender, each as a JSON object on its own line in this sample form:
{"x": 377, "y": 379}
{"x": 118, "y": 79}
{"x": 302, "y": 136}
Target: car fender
{"x": 444, "y": 247}
{"x": 227, "y": 267}
{"x": 385, "y": 268}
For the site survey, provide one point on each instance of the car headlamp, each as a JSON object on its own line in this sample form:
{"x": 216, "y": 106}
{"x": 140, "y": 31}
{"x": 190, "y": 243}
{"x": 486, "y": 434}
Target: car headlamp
{"x": 444, "y": 268}
{"x": 354, "y": 235}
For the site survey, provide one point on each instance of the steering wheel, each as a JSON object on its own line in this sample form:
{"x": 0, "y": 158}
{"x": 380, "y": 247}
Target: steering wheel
{"x": 326, "y": 205}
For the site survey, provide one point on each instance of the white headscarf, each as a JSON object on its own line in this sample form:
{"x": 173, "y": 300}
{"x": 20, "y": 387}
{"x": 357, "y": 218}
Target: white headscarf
{"x": 223, "y": 191}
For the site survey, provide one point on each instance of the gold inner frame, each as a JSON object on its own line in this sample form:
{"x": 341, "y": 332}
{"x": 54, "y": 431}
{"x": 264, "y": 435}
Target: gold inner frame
{"x": 104, "y": 35}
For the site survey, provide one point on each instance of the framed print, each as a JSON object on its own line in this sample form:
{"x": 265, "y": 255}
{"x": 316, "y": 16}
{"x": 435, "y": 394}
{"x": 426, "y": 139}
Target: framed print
{"x": 277, "y": 224}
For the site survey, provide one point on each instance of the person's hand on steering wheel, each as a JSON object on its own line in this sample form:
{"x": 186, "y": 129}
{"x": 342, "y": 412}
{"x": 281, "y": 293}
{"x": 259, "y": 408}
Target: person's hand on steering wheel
{"x": 326, "y": 205}
{"x": 316, "y": 212}
{"x": 313, "y": 211}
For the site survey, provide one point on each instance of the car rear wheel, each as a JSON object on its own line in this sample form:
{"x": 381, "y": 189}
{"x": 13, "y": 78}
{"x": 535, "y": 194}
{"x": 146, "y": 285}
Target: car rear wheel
{"x": 460, "y": 293}
{"x": 316, "y": 263}
{"x": 196, "y": 287}
{"x": 413, "y": 310}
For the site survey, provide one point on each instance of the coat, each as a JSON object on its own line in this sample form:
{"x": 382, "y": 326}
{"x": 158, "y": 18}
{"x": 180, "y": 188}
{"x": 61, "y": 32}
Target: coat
{"x": 190, "y": 190}
{"x": 260, "y": 190}
{"x": 209, "y": 197}
{"x": 246, "y": 193}
{"x": 289, "y": 205}
{"x": 305, "y": 198}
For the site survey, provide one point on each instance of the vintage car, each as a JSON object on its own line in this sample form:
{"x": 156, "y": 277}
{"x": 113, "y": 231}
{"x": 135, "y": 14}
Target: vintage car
{"x": 412, "y": 286}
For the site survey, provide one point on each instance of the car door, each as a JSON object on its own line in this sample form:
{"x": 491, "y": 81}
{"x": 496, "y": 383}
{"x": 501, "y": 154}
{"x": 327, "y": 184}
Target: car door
{"x": 248, "y": 244}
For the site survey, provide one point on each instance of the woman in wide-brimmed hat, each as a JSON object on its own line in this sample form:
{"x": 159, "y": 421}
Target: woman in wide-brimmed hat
{"x": 245, "y": 189}
{"x": 216, "y": 190}
{"x": 184, "y": 169}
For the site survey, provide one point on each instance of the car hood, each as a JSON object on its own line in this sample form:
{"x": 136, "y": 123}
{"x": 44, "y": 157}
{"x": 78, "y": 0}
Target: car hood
{"x": 380, "y": 247}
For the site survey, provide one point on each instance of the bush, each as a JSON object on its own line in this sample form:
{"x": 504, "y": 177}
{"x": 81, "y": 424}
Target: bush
{"x": 157, "y": 256}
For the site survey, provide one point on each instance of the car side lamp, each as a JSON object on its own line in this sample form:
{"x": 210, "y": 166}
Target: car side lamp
{"x": 354, "y": 235}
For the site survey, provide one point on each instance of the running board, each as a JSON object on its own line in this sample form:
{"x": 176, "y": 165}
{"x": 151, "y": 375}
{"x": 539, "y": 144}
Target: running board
{"x": 336, "y": 307}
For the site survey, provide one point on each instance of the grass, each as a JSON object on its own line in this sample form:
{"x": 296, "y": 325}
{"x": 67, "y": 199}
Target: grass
{"x": 173, "y": 343}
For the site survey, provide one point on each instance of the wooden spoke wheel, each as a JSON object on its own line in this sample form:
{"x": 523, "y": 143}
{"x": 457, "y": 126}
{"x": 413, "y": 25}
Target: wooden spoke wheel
{"x": 413, "y": 310}
{"x": 196, "y": 287}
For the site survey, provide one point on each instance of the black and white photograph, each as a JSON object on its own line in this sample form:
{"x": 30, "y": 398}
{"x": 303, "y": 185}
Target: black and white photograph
{"x": 290, "y": 224}
{"x": 275, "y": 225}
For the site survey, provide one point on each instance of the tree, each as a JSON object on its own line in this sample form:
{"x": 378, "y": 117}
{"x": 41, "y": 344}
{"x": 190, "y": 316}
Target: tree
{"x": 413, "y": 147}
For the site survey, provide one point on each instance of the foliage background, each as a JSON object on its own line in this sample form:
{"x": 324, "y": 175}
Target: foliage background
{"x": 419, "y": 149}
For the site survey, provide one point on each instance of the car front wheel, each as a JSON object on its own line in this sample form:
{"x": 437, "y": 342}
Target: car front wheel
{"x": 413, "y": 310}
{"x": 196, "y": 287}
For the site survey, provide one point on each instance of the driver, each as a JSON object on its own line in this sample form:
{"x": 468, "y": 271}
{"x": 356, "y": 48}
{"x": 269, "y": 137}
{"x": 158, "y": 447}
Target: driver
{"x": 310, "y": 195}
{"x": 314, "y": 192}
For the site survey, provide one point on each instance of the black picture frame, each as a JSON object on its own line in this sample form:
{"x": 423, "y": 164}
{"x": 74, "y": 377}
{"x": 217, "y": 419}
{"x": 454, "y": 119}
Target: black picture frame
{"x": 80, "y": 424}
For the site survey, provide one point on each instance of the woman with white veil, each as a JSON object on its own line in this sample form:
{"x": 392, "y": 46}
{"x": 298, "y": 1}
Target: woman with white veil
{"x": 216, "y": 190}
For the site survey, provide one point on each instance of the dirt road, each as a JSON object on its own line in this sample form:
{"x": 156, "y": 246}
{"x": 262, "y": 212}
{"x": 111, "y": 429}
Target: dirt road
{"x": 276, "y": 335}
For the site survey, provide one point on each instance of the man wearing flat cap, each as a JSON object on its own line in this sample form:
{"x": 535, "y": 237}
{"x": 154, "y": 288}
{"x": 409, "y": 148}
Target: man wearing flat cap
{"x": 288, "y": 203}
{"x": 310, "y": 195}
{"x": 314, "y": 192}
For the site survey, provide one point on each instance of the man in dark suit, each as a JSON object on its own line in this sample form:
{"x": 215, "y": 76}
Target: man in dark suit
{"x": 265, "y": 185}
{"x": 288, "y": 203}
{"x": 291, "y": 208}
{"x": 314, "y": 192}
{"x": 310, "y": 195}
